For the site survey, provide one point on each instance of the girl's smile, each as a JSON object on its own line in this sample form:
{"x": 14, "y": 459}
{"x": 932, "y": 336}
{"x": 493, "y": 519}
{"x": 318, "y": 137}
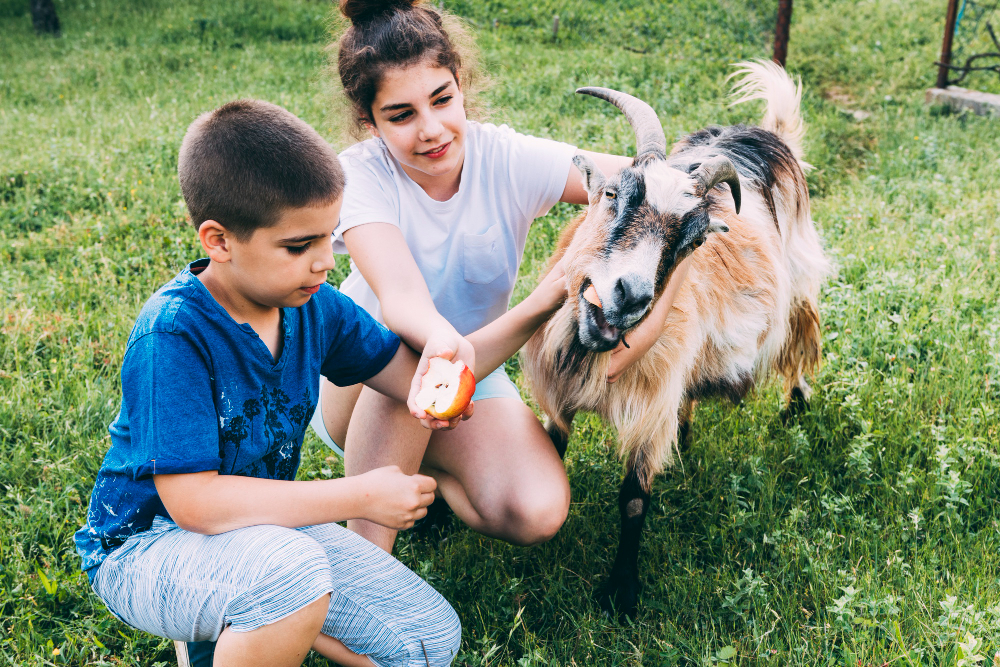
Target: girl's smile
{"x": 438, "y": 152}
{"x": 419, "y": 113}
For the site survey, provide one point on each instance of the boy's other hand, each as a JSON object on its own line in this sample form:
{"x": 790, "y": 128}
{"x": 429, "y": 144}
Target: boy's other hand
{"x": 394, "y": 499}
{"x": 453, "y": 347}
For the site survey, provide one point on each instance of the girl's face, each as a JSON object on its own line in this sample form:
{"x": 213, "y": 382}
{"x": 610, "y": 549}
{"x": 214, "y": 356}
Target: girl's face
{"x": 419, "y": 113}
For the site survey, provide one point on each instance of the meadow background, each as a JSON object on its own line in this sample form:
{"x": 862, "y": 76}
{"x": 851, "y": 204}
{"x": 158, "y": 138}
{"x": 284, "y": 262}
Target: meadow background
{"x": 863, "y": 533}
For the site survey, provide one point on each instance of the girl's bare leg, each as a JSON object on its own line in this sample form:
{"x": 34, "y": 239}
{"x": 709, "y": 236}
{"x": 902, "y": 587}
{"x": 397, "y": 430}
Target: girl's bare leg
{"x": 498, "y": 471}
{"x": 338, "y": 404}
{"x": 382, "y": 432}
{"x": 501, "y": 474}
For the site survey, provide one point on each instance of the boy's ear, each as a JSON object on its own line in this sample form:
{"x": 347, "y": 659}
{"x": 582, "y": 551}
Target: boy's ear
{"x": 216, "y": 241}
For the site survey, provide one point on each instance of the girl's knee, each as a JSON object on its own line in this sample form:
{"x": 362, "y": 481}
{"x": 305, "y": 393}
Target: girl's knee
{"x": 531, "y": 517}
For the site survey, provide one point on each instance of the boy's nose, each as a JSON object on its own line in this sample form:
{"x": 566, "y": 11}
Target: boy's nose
{"x": 326, "y": 261}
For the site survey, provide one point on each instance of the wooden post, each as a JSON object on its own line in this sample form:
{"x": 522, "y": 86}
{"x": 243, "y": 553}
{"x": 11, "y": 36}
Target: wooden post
{"x": 949, "y": 34}
{"x": 182, "y": 654}
{"x": 781, "y": 31}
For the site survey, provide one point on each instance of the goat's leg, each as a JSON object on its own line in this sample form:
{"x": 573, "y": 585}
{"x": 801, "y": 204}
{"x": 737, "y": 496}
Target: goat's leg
{"x": 685, "y": 417}
{"x": 800, "y": 355}
{"x": 621, "y": 593}
{"x": 797, "y": 399}
{"x": 558, "y": 433}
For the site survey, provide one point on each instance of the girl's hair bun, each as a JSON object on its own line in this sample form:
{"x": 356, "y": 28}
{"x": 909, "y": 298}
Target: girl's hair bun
{"x": 361, "y": 11}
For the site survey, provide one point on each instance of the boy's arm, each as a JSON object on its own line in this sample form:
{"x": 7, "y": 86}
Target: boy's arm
{"x": 210, "y": 503}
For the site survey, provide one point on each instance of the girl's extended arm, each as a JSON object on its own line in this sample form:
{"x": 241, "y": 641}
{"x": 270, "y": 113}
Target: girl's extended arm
{"x": 499, "y": 340}
{"x": 650, "y": 329}
{"x": 574, "y": 192}
{"x": 210, "y": 503}
{"x": 381, "y": 254}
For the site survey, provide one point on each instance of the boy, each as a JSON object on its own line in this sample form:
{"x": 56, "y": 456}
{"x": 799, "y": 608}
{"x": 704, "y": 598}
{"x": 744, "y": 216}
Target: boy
{"x": 197, "y": 530}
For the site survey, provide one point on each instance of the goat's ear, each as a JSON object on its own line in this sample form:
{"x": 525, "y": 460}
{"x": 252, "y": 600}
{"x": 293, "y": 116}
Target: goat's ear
{"x": 716, "y": 225}
{"x": 593, "y": 177}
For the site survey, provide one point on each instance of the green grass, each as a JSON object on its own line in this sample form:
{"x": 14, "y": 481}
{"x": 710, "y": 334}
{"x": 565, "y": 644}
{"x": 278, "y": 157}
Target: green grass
{"x": 866, "y": 532}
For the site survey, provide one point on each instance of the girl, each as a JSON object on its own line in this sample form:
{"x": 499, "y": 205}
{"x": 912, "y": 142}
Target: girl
{"x": 435, "y": 218}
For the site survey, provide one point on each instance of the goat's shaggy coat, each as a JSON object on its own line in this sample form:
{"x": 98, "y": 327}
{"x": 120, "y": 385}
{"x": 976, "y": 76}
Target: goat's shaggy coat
{"x": 746, "y": 310}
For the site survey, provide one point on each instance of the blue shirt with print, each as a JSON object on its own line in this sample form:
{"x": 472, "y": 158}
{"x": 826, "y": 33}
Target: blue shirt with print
{"x": 201, "y": 392}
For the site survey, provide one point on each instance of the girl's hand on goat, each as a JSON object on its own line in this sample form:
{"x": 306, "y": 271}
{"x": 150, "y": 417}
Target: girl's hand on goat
{"x": 394, "y": 499}
{"x": 447, "y": 344}
{"x": 641, "y": 338}
{"x": 551, "y": 292}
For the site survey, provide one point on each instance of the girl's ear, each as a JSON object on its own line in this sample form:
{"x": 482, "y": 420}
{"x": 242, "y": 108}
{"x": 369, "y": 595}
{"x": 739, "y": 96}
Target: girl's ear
{"x": 215, "y": 241}
{"x": 370, "y": 126}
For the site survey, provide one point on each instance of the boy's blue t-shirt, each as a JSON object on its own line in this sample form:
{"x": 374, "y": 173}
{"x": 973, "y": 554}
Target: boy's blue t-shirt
{"x": 201, "y": 392}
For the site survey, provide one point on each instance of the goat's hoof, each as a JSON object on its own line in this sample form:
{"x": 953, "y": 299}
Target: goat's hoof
{"x": 620, "y": 595}
{"x": 797, "y": 404}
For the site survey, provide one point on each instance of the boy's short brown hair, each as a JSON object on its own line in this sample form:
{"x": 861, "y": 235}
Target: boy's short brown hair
{"x": 248, "y": 161}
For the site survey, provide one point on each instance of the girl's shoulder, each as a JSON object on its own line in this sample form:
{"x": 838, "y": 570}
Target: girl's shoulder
{"x": 370, "y": 152}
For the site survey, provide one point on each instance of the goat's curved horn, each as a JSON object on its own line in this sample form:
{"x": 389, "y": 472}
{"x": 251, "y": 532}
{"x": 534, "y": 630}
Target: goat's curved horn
{"x": 650, "y": 142}
{"x": 715, "y": 170}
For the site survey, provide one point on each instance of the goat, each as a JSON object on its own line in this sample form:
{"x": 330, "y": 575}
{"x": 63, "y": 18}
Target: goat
{"x": 747, "y": 307}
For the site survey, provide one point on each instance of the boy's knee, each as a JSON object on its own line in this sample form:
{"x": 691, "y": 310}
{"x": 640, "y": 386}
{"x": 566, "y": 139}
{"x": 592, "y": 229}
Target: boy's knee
{"x": 288, "y": 574}
{"x": 440, "y": 638}
{"x": 293, "y": 557}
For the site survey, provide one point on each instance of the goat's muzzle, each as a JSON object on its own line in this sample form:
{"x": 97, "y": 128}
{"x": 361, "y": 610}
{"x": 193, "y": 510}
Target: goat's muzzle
{"x": 600, "y": 328}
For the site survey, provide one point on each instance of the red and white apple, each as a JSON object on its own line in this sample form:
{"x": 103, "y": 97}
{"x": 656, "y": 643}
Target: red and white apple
{"x": 445, "y": 389}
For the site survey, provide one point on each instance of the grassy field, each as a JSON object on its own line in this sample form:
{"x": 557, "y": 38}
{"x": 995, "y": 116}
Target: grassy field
{"x": 865, "y": 533}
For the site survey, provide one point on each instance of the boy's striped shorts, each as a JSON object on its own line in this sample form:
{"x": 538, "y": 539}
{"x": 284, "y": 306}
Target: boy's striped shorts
{"x": 189, "y": 587}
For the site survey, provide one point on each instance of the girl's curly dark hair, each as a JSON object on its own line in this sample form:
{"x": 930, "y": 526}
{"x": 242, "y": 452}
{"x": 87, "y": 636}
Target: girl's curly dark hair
{"x": 385, "y": 34}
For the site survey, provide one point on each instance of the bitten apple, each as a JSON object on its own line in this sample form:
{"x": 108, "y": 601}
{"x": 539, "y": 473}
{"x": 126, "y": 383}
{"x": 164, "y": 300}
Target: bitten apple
{"x": 445, "y": 389}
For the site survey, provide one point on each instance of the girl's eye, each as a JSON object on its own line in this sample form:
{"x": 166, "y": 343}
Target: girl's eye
{"x": 297, "y": 249}
{"x": 400, "y": 117}
{"x": 444, "y": 99}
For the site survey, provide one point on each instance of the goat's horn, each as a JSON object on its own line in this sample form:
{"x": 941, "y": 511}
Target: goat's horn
{"x": 650, "y": 142}
{"x": 715, "y": 170}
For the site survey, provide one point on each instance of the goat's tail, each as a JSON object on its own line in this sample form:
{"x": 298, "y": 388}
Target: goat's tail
{"x": 768, "y": 81}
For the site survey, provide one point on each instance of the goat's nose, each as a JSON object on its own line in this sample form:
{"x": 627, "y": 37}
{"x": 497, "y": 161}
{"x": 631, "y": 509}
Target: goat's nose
{"x": 632, "y": 294}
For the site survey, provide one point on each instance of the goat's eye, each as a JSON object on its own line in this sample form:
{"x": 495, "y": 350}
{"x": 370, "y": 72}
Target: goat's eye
{"x": 609, "y": 194}
{"x": 698, "y": 241}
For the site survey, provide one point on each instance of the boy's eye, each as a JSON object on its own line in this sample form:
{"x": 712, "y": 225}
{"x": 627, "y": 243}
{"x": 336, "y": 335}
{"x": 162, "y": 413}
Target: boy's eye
{"x": 297, "y": 249}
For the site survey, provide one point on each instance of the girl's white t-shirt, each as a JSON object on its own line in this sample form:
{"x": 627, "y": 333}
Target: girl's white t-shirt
{"x": 468, "y": 248}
